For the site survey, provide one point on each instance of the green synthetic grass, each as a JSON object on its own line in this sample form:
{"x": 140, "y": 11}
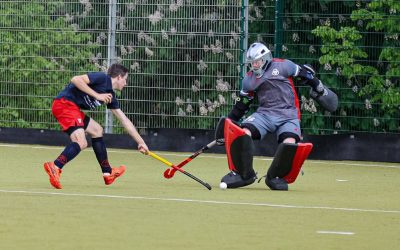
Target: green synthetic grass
{"x": 142, "y": 210}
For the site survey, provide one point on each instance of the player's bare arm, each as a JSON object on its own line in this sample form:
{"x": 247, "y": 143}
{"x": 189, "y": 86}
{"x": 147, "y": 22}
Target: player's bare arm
{"x": 131, "y": 130}
{"x": 82, "y": 81}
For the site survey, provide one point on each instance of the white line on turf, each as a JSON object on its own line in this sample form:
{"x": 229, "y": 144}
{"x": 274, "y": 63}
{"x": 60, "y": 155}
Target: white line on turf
{"x": 122, "y": 151}
{"x": 201, "y": 201}
{"x": 335, "y": 232}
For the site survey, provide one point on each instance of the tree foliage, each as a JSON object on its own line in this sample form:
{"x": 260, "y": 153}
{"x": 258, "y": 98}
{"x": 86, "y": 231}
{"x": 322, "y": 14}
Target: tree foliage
{"x": 376, "y": 78}
{"x": 185, "y": 57}
{"x": 38, "y": 56}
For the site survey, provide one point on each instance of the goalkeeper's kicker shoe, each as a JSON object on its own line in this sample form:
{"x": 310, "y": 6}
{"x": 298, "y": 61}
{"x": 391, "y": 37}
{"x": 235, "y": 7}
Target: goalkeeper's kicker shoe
{"x": 54, "y": 174}
{"x": 115, "y": 173}
{"x": 234, "y": 180}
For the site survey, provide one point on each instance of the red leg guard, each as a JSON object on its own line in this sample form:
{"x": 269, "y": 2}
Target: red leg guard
{"x": 239, "y": 149}
{"x": 288, "y": 160}
{"x": 302, "y": 152}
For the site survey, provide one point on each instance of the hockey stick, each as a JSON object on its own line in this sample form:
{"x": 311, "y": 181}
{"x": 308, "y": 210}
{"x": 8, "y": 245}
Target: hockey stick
{"x": 169, "y": 173}
{"x": 179, "y": 169}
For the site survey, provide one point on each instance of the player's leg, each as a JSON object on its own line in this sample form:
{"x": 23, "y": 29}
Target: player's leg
{"x": 288, "y": 158}
{"x": 78, "y": 140}
{"x": 95, "y": 130}
{"x": 99, "y": 147}
{"x": 239, "y": 148}
{"x": 71, "y": 120}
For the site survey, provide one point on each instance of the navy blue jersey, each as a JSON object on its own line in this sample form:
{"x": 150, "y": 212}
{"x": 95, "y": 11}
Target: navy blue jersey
{"x": 99, "y": 82}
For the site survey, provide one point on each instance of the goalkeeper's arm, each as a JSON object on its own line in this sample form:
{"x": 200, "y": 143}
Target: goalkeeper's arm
{"x": 307, "y": 74}
{"x": 241, "y": 106}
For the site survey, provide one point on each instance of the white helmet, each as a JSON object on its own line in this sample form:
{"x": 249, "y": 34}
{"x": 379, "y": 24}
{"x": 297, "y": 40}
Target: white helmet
{"x": 255, "y": 52}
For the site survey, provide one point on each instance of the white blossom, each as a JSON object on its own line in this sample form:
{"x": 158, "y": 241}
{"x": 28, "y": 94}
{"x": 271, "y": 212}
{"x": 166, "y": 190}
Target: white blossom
{"x": 307, "y": 18}
{"x": 327, "y": 66}
{"x": 308, "y": 105}
{"x": 131, "y": 6}
{"x": 217, "y": 48}
{"x": 229, "y": 56}
{"x": 156, "y": 17}
{"x": 69, "y": 18}
{"x": 135, "y": 67}
{"x": 148, "y": 39}
{"x": 295, "y": 37}
{"x": 368, "y": 104}
{"x": 123, "y": 50}
{"x": 221, "y": 99}
{"x": 196, "y": 86}
{"x": 189, "y": 108}
{"x": 181, "y": 112}
{"x": 338, "y": 125}
{"x": 233, "y": 96}
{"x": 376, "y": 122}
{"x": 338, "y": 71}
{"x": 175, "y": 6}
{"x": 148, "y": 52}
{"x": 179, "y": 101}
{"x": 203, "y": 110}
{"x": 164, "y": 35}
{"x": 232, "y": 43}
{"x": 222, "y": 85}
{"x": 202, "y": 65}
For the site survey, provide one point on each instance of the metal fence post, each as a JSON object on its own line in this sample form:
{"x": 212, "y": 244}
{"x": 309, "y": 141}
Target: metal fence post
{"x": 112, "y": 24}
{"x": 278, "y": 27}
{"x": 244, "y": 38}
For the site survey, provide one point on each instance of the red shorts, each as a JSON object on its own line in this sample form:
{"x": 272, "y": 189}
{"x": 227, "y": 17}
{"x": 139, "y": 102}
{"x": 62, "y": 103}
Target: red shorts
{"x": 68, "y": 114}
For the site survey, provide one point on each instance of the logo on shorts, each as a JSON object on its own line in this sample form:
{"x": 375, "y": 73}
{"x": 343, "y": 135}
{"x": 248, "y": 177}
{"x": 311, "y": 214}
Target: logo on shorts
{"x": 79, "y": 120}
{"x": 250, "y": 119}
{"x": 275, "y": 72}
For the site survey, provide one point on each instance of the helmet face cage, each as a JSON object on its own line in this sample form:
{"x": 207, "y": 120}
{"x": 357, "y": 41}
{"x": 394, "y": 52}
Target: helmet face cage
{"x": 256, "y": 52}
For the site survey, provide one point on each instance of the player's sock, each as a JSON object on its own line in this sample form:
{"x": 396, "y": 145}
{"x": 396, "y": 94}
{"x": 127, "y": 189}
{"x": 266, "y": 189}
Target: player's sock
{"x": 99, "y": 148}
{"x": 69, "y": 153}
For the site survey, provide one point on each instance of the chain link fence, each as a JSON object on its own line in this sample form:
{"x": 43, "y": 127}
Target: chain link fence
{"x": 355, "y": 48}
{"x": 185, "y": 58}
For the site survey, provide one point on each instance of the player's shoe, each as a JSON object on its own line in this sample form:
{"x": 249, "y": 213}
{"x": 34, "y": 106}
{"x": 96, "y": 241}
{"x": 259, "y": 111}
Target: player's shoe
{"x": 277, "y": 184}
{"x": 54, "y": 174}
{"x": 234, "y": 180}
{"x": 115, "y": 173}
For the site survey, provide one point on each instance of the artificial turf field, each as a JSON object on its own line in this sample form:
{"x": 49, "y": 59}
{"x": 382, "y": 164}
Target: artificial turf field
{"x": 335, "y": 205}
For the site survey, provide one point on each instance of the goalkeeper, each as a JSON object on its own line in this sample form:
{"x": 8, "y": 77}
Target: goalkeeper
{"x": 271, "y": 81}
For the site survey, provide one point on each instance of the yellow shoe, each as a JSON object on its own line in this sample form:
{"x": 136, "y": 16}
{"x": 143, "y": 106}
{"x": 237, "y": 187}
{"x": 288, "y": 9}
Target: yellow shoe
{"x": 115, "y": 173}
